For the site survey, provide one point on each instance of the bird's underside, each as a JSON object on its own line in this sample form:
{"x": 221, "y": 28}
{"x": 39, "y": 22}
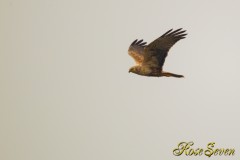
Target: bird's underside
{"x": 154, "y": 72}
{"x": 150, "y": 58}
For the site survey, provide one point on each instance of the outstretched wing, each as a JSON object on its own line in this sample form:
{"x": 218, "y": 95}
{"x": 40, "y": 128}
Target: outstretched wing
{"x": 156, "y": 52}
{"x": 136, "y": 51}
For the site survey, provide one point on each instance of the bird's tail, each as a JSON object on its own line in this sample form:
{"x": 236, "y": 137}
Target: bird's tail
{"x": 168, "y": 74}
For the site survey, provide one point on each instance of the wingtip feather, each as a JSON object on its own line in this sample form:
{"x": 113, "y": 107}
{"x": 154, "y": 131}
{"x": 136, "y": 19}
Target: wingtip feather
{"x": 134, "y": 42}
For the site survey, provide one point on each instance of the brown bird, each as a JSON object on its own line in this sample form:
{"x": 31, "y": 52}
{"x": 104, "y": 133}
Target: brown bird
{"x": 150, "y": 58}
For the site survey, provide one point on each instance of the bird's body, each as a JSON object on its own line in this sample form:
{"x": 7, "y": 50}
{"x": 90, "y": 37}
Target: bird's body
{"x": 152, "y": 72}
{"x": 150, "y": 58}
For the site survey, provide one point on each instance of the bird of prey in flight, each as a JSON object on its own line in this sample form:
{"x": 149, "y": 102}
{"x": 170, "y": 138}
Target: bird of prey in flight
{"x": 150, "y": 58}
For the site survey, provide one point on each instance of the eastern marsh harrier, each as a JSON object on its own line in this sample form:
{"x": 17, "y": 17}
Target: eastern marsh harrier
{"x": 150, "y": 58}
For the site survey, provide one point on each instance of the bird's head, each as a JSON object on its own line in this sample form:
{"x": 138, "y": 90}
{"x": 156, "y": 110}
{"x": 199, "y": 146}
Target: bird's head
{"x": 130, "y": 70}
{"x": 133, "y": 70}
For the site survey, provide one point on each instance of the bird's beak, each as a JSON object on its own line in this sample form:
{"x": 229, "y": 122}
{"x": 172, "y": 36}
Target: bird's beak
{"x": 130, "y": 70}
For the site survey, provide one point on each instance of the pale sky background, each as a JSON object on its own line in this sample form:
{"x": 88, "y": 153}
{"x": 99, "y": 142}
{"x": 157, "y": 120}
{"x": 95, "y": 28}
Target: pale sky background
{"x": 66, "y": 93}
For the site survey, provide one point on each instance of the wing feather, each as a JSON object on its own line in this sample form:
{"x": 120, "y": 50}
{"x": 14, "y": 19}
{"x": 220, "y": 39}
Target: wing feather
{"x": 156, "y": 52}
{"x": 136, "y": 50}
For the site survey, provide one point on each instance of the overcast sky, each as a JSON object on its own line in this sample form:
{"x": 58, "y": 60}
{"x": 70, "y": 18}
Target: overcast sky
{"x": 66, "y": 92}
